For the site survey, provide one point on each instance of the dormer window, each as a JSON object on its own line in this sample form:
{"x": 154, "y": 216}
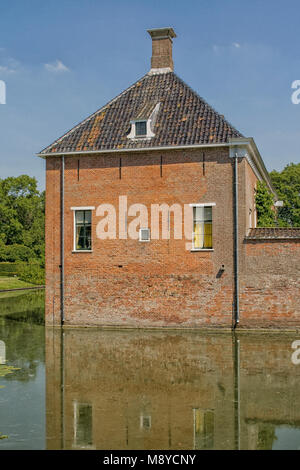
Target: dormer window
{"x": 142, "y": 126}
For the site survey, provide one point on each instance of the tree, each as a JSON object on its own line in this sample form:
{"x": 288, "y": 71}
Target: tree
{"x": 22, "y": 209}
{"x": 264, "y": 200}
{"x": 287, "y": 186}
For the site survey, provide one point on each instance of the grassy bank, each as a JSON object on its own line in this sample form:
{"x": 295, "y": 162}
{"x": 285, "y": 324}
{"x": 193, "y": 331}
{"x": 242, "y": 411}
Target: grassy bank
{"x": 13, "y": 283}
{"x": 17, "y": 275}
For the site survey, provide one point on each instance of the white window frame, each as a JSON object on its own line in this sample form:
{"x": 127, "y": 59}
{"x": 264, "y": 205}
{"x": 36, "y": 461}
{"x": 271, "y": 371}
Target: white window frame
{"x": 149, "y": 134}
{"x": 200, "y": 204}
{"x": 2, "y": 352}
{"x": 149, "y": 125}
{"x": 135, "y": 130}
{"x": 80, "y": 208}
{"x": 142, "y": 422}
{"x": 140, "y": 234}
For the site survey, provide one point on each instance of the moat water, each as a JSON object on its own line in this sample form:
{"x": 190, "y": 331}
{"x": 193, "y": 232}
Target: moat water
{"x": 96, "y": 389}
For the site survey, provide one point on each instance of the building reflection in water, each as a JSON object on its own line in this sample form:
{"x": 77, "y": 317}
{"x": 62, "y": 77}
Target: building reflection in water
{"x": 83, "y": 425}
{"x": 170, "y": 390}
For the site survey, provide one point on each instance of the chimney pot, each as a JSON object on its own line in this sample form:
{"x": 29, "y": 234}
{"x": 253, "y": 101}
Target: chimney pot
{"x": 162, "y": 49}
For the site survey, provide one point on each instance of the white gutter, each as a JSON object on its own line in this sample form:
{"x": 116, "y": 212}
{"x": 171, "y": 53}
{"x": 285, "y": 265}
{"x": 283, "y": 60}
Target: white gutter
{"x": 62, "y": 243}
{"x": 130, "y": 150}
{"x": 245, "y": 147}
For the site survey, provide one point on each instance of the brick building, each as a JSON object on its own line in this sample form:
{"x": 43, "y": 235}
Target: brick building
{"x": 151, "y": 218}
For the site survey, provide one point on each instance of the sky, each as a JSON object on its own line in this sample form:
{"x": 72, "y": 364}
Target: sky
{"x": 62, "y": 60}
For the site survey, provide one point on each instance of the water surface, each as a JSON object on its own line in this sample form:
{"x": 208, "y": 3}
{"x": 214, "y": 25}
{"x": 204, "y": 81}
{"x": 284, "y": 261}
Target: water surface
{"x": 22, "y": 398}
{"x": 138, "y": 389}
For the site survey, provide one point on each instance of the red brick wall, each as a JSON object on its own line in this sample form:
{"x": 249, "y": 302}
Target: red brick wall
{"x": 52, "y": 245}
{"x": 270, "y": 286}
{"x": 162, "y": 53}
{"x": 160, "y": 283}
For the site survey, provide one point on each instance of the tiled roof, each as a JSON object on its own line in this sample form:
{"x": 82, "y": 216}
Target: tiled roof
{"x": 273, "y": 233}
{"x": 145, "y": 111}
{"x": 184, "y": 118}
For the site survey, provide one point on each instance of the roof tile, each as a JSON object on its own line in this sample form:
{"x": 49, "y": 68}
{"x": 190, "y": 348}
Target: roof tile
{"x": 184, "y": 118}
{"x": 274, "y": 233}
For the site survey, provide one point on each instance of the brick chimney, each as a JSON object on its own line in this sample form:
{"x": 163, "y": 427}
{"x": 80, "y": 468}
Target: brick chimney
{"x": 161, "y": 59}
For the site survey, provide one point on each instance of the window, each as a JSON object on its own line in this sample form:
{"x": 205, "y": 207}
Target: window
{"x": 143, "y": 123}
{"x": 202, "y": 227}
{"x": 203, "y": 429}
{"x": 2, "y": 352}
{"x": 83, "y": 425}
{"x": 83, "y": 230}
{"x": 140, "y": 128}
{"x": 144, "y": 235}
{"x": 145, "y": 422}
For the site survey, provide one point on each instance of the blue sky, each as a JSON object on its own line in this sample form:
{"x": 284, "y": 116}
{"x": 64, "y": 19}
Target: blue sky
{"x": 62, "y": 60}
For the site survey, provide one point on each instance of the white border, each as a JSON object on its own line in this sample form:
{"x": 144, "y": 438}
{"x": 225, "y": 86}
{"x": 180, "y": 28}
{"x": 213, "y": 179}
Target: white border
{"x": 83, "y": 208}
{"x": 201, "y": 204}
{"x": 74, "y": 209}
{"x": 140, "y": 234}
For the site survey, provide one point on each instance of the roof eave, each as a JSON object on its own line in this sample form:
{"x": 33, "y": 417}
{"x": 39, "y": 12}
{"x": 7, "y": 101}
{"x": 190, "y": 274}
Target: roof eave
{"x": 252, "y": 154}
{"x": 130, "y": 150}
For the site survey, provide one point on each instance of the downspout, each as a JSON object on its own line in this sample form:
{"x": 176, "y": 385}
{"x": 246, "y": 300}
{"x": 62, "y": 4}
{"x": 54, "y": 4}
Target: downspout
{"x": 62, "y": 254}
{"x": 236, "y": 244}
{"x": 237, "y": 392}
{"x": 62, "y": 387}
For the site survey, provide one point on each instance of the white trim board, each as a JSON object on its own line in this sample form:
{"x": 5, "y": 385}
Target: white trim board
{"x": 203, "y": 204}
{"x": 83, "y": 208}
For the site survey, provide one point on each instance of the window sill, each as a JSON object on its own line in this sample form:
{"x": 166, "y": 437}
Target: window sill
{"x": 202, "y": 249}
{"x": 141, "y": 137}
{"x": 82, "y": 251}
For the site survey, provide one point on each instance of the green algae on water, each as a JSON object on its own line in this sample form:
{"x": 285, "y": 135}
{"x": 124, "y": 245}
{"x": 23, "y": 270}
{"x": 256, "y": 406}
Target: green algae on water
{"x": 4, "y": 370}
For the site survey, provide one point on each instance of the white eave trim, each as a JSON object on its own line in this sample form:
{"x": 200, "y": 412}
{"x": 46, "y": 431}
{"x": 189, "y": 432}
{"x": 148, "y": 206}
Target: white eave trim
{"x": 253, "y": 156}
{"x": 246, "y": 147}
{"x": 130, "y": 150}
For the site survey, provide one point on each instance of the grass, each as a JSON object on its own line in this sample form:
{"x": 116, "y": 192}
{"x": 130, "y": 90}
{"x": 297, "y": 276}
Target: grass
{"x": 11, "y": 294}
{"x": 13, "y": 283}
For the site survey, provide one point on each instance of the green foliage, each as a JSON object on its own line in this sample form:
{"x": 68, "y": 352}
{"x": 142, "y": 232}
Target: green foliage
{"x": 27, "y": 306}
{"x": 4, "y": 370}
{"x": 12, "y": 253}
{"x": 266, "y": 437}
{"x": 32, "y": 272}
{"x": 266, "y": 216}
{"x": 22, "y": 209}
{"x": 287, "y": 186}
{"x": 8, "y": 269}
